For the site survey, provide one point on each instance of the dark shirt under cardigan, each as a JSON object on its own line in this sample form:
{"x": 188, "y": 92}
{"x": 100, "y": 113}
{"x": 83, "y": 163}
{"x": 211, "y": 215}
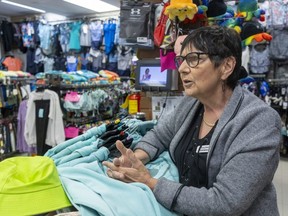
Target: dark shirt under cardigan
{"x": 191, "y": 154}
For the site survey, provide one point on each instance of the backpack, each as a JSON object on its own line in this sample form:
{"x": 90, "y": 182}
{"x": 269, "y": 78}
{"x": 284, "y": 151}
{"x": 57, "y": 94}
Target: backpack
{"x": 137, "y": 24}
{"x": 259, "y": 59}
{"x": 278, "y": 14}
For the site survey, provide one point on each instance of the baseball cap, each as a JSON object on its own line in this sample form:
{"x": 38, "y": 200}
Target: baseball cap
{"x": 29, "y": 186}
{"x": 251, "y": 28}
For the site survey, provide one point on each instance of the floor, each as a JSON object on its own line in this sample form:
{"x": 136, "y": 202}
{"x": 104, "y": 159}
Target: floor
{"x": 281, "y": 184}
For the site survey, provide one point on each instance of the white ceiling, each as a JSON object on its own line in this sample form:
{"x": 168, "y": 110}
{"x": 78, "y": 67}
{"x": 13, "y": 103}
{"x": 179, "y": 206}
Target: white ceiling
{"x": 50, "y": 6}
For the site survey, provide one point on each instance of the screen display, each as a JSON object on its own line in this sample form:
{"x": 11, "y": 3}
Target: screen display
{"x": 152, "y": 76}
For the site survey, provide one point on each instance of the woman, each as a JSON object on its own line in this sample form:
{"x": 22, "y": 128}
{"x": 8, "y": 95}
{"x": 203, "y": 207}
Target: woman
{"x": 146, "y": 75}
{"x": 223, "y": 139}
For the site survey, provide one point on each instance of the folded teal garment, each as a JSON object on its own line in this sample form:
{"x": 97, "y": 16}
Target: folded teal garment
{"x": 70, "y": 149}
{"x": 100, "y": 155}
{"x": 92, "y": 193}
{"x": 93, "y": 132}
{"x": 82, "y": 152}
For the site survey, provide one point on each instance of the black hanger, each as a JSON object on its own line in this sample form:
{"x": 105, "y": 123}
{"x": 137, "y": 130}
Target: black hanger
{"x": 114, "y": 152}
{"x": 109, "y": 133}
{"x": 112, "y": 139}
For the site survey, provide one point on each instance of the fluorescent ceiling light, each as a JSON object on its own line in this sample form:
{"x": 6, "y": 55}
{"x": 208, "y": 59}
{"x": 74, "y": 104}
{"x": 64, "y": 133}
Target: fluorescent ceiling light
{"x": 95, "y": 5}
{"x": 23, "y": 6}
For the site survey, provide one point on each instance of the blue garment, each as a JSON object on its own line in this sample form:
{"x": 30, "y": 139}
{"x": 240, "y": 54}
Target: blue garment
{"x": 89, "y": 189}
{"x": 45, "y": 32}
{"x": 96, "y": 31}
{"x": 87, "y": 74}
{"x": 70, "y": 149}
{"x": 84, "y": 60}
{"x": 109, "y": 35}
{"x": 99, "y": 155}
{"x": 92, "y": 193}
{"x": 74, "y": 43}
{"x": 81, "y": 152}
{"x": 64, "y": 33}
{"x": 72, "y": 63}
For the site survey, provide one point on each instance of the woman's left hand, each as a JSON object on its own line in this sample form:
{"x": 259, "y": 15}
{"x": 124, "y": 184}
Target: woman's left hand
{"x": 136, "y": 173}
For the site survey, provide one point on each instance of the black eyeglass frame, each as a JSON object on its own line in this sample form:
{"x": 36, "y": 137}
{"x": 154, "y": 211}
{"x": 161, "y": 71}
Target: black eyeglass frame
{"x": 184, "y": 58}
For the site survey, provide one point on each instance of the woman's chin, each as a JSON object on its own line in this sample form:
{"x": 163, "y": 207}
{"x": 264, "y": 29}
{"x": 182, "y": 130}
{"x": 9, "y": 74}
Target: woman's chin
{"x": 189, "y": 92}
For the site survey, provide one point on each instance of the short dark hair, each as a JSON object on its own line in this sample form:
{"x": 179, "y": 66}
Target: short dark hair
{"x": 220, "y": 42}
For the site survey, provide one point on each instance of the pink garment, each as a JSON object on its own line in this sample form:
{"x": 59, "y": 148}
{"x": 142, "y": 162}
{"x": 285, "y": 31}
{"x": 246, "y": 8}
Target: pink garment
{"x": 72, "y": 97}
{"x": 71, "y": 132}
{"x": 167, "y": 59}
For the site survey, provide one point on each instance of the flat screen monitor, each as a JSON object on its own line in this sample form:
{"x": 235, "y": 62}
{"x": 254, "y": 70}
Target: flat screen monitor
{"x": 149, "y": 76}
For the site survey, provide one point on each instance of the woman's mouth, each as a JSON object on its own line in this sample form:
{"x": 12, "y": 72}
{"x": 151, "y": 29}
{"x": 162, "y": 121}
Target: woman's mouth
{"x": 187, "y": 83}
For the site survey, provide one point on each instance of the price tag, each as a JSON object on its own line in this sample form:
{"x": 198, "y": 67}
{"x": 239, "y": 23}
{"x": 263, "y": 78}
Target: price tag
{"x": 142, "y": 39}
{"x": 41, "y": 113}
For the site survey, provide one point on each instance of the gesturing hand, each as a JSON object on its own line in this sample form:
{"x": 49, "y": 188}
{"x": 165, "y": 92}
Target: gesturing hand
{"x": 128, "y": 168}
{"x": 123, "y": 160}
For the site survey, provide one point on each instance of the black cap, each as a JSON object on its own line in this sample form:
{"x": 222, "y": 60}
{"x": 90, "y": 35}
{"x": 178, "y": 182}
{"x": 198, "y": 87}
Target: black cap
{"x": 251, "y": 28}
{"x": 216, "y": 8}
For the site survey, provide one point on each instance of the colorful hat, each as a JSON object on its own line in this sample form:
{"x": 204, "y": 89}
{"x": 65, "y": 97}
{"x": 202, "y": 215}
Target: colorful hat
{"x": 253, "y": 31}
{"x": 181, "y": 9}
{"x": 29, "y": 186}
{"x": 251, "y": 28}
{"x": 247, "y": 5}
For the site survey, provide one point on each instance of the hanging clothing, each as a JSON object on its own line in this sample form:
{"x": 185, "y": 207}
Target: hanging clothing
{"x": 31, "y": 67}
{"x": 21, "y": 119}
{"x": 12, "y": 63}
{"x": 109, "y": 36}
{"x": 41, "y": 112}
{"x": 7, "y": 35}
{"x": 74, "y": 43}
{"x": 28, "y": 32}
{"x": 48, "y": 64}
{"x": 64, "y": 37}
{"x": 45, "y": 33}
{"x": 55, "y": 130}
{"x": 96, "y": 29}
{"x": 85, "y": 35}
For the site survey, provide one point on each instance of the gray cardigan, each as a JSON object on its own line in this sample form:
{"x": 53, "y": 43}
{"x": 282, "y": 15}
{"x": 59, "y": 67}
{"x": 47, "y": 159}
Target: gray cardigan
{"x": 242, "y": 158}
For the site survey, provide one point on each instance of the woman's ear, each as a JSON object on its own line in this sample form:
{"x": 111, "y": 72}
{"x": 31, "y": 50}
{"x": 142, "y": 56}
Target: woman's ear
{"x": 228, "y": 66}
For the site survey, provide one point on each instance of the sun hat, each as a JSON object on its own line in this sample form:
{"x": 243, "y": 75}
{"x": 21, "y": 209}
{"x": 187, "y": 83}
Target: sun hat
{"x": 29, "y": 186}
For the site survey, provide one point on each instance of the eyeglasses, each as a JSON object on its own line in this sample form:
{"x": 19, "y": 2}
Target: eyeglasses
{"x": 192, "y": 59}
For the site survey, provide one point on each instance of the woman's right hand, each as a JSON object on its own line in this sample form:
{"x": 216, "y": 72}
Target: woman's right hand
{"x": 123, "y": 160}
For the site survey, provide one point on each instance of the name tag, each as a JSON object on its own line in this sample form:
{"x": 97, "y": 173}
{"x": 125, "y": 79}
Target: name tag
{"x": 202, "y": 149}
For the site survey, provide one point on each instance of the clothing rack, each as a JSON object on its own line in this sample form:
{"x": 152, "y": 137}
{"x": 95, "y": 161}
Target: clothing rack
{"x": 278, "y": 80}
{"x": 84, "y": 19}
{"x": 86, "y": 86}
